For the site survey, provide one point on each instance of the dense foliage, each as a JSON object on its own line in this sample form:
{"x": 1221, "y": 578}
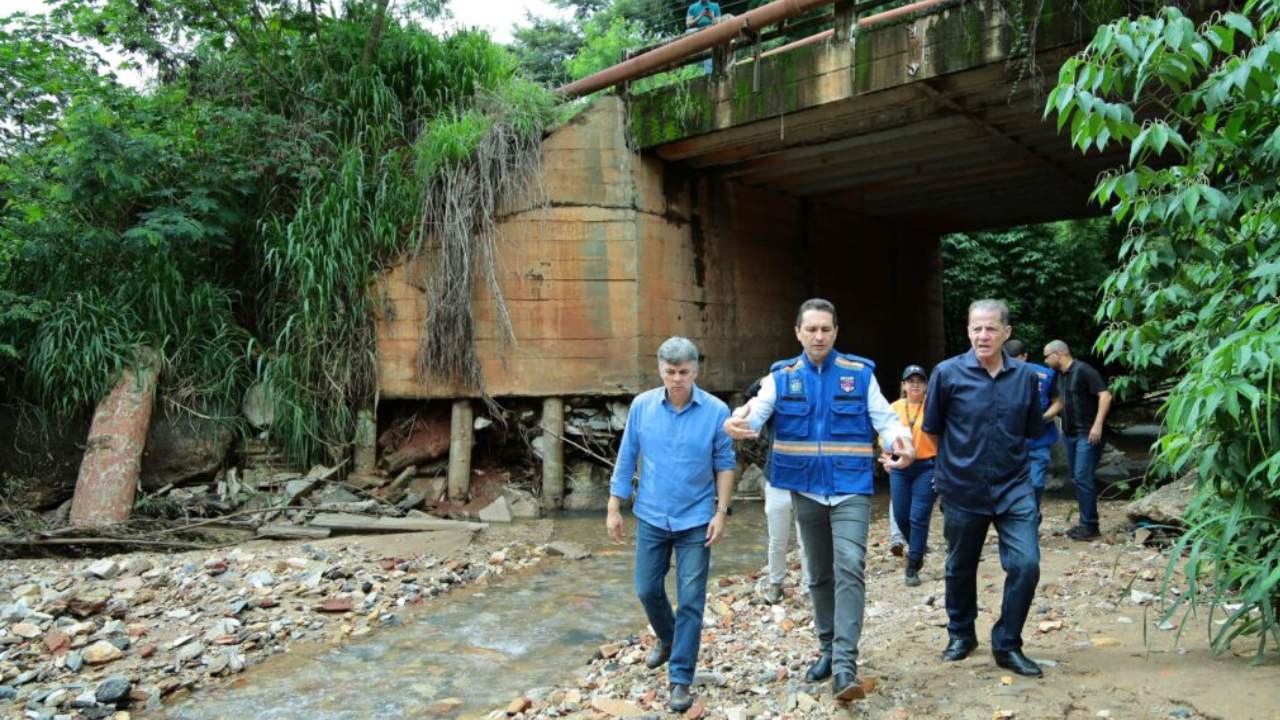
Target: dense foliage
{"x": 1049, "y": 274}
{"x": 234, "y": 213}
{"x": 1197, "y": 296}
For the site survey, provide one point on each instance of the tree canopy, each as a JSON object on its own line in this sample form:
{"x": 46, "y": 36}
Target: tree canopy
{"x": 233, "y": 213}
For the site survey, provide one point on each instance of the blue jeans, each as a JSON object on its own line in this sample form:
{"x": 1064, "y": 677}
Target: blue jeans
{"x": 1082, "y": 459}
{"x": 681, "y": 630}
{"x": 912, "y": 493}
{"x": 1019, "y": 543}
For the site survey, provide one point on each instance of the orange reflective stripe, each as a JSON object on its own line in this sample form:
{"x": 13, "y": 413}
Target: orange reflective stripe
{"x": 831, "y": 448}
{"x": 826, "y": 448}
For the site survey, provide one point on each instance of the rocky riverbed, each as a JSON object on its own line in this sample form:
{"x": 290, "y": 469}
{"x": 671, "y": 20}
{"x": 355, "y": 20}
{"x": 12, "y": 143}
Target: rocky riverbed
{"x": 1096, "y": 627}
{"x": 97, "y": 638}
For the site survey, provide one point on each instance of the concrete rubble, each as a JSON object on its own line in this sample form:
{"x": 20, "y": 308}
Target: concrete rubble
{"x": 754, "y": 655}
{"x": 92, "y": 638}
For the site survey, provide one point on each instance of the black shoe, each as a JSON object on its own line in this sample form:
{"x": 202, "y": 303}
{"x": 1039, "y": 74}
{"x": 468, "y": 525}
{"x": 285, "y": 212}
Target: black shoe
{"x": 896, "y": 549}
{"x": 913, "y": 571}
{"x": 959, "y": 649}
{"x": 820, "y": 670}
{"x": 1014, "y": 660}
{"x": 1082, "y": 532}
{"x": 681, "y": 699}
{"x": 846, "y": 687}
{"x": 658, "y": 656}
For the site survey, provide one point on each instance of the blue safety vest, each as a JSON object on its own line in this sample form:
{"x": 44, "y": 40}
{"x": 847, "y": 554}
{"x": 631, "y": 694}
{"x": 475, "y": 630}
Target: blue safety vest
{"x": 1044, "y": 379}
{"x": 822, "y": 434}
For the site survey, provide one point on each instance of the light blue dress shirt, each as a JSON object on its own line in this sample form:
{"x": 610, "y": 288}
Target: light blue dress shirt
{"x": 679, "y": 454}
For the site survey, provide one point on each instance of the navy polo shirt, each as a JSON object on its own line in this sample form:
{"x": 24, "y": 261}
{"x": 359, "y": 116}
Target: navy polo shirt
{"x": 982, "y": 424}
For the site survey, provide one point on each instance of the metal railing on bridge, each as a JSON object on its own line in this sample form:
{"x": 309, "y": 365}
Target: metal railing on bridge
{"x": 750, "y": 30}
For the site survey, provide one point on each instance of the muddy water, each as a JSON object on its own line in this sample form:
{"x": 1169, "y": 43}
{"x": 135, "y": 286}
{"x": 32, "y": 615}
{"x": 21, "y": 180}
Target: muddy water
{"x": 468, "y": 653}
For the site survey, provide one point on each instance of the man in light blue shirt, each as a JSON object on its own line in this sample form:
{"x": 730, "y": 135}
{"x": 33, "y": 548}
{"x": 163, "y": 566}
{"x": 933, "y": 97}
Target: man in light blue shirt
{"x": 686, "y": 481}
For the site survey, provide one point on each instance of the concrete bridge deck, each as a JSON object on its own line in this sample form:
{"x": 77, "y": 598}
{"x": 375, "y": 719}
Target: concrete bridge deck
{"x": 931, "y": 122}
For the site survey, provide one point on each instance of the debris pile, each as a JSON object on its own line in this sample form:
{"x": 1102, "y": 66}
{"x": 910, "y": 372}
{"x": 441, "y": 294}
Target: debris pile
{"x": 85, "y": 639}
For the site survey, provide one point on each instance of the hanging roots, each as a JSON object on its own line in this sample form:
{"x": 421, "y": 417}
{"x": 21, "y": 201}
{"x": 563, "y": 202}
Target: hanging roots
{"x": 457, "y": 232}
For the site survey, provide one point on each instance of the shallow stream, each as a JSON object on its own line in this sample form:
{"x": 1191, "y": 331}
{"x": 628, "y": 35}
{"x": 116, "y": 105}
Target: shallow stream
{"x": 472, "y": 651}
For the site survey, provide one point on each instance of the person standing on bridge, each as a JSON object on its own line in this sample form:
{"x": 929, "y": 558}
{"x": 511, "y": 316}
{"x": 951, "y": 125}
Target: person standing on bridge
{"x": 701, "y": 15}
{"x": 687, "y": 469}
{"x": 1085, "y": 404}
{"x": 1039, "y": 450}
{"x": 983, "y": 407}
{"x": 824, "y": 406}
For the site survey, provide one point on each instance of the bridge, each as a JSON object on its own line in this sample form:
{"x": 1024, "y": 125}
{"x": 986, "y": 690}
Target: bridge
{"x": 710, "y": 208}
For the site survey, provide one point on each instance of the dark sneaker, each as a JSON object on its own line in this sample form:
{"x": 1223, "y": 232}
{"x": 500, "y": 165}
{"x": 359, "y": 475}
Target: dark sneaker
{"x": 896, "y": 549}
{"x": 681, "y": 699}
{"x": 1080, "y": 532}
{"x": 912, "y": 578}
{"x": 773, "y": 593}
{"x": 658, "y": 656}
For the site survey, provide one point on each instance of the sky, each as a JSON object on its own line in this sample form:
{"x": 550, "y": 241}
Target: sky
{"x": 496, "y": 16}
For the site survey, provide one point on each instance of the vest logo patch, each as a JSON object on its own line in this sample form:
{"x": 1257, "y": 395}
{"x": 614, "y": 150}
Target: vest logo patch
{"x": 846, "y": 384}
{"x": 795, "y": 386}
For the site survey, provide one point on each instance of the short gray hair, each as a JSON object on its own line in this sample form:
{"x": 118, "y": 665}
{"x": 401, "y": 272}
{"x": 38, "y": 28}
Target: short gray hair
{"x": 677, "y": 350}
{"x": 1057, "y": 346}
{"x": 991, "y": 305}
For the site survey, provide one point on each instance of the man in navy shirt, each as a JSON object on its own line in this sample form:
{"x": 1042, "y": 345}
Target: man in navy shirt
{"x": 686, "y": 481}
{"x": 983, "y": 407}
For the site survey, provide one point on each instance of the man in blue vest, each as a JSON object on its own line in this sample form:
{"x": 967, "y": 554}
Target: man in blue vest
{"x": 1038, "y": 449}
{"x": 827, "y": 409}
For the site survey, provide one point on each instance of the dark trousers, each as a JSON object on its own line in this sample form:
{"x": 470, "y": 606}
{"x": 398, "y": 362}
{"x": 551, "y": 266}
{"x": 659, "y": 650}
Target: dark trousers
{"x": 835, "y": 546}
{"x": 682, "y": 630}
{"x": 912, "y": 492}
{"x": 1019, "y": 541}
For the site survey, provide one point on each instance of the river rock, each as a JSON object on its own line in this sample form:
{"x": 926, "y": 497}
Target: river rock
{"x": 182, "y": 448}
{"x": 188, "y": 652}
{"x": 1166, "y": 505}
{"x": 586, "y": 487}
{"x": 499, "y": 511}
{"x": 568, "y": 550}
{"x": 112, "y": 690}
{"x": 522, "y": 503}
{"x": 26, "y": 630}
{"x": 751, "y": 482}
{"x": 101, "y": 652}
{"x": 616, "y": 708}
{"x": 104, "y": 569}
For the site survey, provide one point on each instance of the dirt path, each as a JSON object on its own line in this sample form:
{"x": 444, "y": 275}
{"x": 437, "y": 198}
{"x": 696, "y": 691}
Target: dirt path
{"x": 1092, "y": 642}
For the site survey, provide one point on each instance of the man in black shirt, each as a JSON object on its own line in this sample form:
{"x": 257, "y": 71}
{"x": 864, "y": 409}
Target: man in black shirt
{"x": 1086, "y": 402}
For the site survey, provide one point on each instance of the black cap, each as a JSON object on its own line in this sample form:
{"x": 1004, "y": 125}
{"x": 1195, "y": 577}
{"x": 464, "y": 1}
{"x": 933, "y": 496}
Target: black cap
{"x": 914, "y": 370}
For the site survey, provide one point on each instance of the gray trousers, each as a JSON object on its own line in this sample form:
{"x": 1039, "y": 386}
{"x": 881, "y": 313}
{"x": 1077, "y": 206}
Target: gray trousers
{"x": 835, "y": 544}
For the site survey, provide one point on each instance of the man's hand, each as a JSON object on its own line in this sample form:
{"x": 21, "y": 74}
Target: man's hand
{"x": 715, "y": 528}
{"x": 1095, "y": 434}
{"x": 738, "y": 428}
{"x": 902, "y": 455}
{"x": 613, "y": 524}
